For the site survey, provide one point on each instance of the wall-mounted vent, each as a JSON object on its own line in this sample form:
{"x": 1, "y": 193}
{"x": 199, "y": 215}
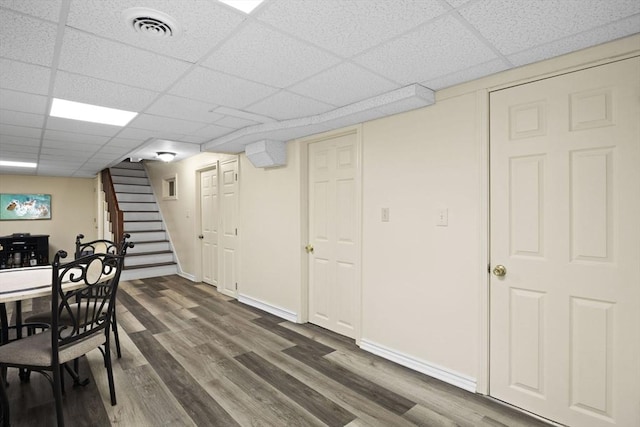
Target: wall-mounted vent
{"x": 151, "y": 23}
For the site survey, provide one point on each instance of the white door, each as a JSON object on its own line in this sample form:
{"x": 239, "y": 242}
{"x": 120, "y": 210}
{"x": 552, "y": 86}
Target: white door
{"x": 209, "y": 219}
{"x": 227, "y": 280}
{"x": 565, "y": 223}
{"x": 334, "y": 233}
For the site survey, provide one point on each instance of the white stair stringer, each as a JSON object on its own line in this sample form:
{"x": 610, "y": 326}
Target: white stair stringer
{"x": 152, "y": 254}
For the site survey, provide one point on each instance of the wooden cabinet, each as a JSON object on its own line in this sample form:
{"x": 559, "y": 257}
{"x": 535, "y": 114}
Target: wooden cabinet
{"x": 24, "y": 250}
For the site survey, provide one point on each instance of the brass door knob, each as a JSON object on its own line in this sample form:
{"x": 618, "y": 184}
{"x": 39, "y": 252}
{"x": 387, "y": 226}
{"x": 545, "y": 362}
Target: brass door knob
{"x": 309, "y": 249}
{"x": 500, "y": 270}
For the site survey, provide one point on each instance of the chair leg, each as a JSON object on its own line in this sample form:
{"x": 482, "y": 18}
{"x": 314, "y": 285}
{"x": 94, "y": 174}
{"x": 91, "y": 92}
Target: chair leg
{"x": 114, "y": 328}
{"x": 57, "y": 393}
{"x": 4, "y": 404}
{"x": 107, "y": 362}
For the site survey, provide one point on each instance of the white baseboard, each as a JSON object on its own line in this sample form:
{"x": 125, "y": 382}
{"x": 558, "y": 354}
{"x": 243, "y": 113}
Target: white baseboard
{"x": 187, "y": 276}
{"x": 438, "y": 372}
{"x": 271, "y": 309}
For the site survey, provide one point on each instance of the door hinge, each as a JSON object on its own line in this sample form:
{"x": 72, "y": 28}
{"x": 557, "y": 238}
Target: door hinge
{"x": 488, "y": 268}
{"x": 236, "y": 177}
{"x": 236, "y": 286}
{"x": 236, "y": 231}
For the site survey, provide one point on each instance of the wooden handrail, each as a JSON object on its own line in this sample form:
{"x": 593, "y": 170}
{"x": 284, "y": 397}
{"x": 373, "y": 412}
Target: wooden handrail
{"x": 117, "y": 217}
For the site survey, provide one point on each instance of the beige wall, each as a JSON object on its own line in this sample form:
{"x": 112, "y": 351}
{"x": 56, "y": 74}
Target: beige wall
{"x": 271, "y": 248}
{"x": 180, "y": 215}
{"x": 424, "y": 287}
{"x": 421, "y": 281}
{"x": 73, "y": 209}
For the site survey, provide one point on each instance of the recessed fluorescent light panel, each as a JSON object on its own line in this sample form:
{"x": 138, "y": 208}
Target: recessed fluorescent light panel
{"x": 18, "y": 164}
{"x": 90, "y": 113}
{"x": 245, "y": 6}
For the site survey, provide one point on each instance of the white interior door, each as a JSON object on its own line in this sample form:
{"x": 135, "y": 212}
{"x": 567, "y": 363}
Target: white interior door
{"x": 334, "y": 232}
{"x": 227, "y": 278}
{"x": 565, "y": 223}
{"x": 209, "y": 220}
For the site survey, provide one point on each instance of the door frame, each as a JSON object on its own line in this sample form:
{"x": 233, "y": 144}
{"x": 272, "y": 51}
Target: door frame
{"x": 484, "y": 141}
{"x": 234, "y": 293}
{"x": 304, "y": 220}
{"x": 198, "y": 217}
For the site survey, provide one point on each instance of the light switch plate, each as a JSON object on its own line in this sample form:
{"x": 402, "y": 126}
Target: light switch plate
{"x": 442, "y": 217}
{"x": 385, "y": 215}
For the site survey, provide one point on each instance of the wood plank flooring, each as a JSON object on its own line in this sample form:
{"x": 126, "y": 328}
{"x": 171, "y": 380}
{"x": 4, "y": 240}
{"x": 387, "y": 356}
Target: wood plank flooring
{"x": 193, "y": 357}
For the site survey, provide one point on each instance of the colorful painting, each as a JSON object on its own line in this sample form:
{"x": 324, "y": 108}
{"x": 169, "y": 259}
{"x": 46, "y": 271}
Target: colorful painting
{"x": 25, "y": 206}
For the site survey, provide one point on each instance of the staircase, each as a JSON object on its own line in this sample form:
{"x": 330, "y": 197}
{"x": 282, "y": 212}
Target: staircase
{"x": 152, "y": 254}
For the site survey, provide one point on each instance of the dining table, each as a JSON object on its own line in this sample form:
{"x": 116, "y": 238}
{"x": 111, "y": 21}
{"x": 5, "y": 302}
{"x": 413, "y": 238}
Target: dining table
{"x": 20, "y": 284}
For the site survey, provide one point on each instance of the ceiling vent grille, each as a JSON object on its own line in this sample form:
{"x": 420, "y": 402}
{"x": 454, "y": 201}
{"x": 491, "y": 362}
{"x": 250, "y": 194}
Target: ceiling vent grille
{"x": 151, "y": 23}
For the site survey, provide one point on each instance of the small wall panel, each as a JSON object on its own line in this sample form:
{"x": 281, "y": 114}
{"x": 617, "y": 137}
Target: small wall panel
{"x": 321, "y": 294}
{"x": 320, "y": 211}
{"x": 345, "y": 157}
{"x": 527, "y": 341}
{"x": 591, "y": 205}
{"x": 345, "y": 282}
{"x": 592, "y": 356}
{"x": 227, "y": 177}
{"x": 527, "y": 120}
{"x": 591, "y": 109}
{"x": 345, "y": 211}
{"x": 526, "y": 210}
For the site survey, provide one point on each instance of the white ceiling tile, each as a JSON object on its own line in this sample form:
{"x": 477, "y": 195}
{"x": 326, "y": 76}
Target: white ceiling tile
{"x": 66, "y": 145}
{"x": 212, "y": 131}
{"x": 89, "y": 90}
{"x": 204, "y": 23}
{"x": 36, "y": 38}
{"x": 49, "y": 9}
{"x": 112, "y": 150}
{"x": 8, "y": 150}
{"x": 599, "y": 35}
{"x": 259, "y": 53}
{"x": 472, "y": 73}
{"x": 19, "y": 140}
{"x": 21, "y": 101}
{"x": 74, "y": 137}
{"x": 144, "y": 134}
{"x": 20, "y": 131}
{"x": 77, "y": 126}
{"x": 286, "y": 105}
{"x": 165, "y": 124}
{"x": 458, "y": 3}
{"x": 124, "y": 143}
{"x": 18, "y": 118}
{"x": 218, "y": 88}
{"x": 24, "y": 77}
{"x": 117, "y": 62}
{"x": 442, "y": 47}
{"x": 184, "y": 108}
{"x": 348, "y": 27}
{"x": 234, "y": 122}
{"x": 195, "y": 139}
{"x": 17, "y": 153}
{"x": 532, "y": 23}
{"x": 349, "y": 83}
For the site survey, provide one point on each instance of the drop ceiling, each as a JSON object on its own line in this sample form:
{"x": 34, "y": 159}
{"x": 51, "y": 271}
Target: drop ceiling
{"x": 289, "y": 68}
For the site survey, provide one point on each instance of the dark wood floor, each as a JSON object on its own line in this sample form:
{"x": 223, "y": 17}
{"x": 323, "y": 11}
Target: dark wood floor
{"x": 194, "y": 357}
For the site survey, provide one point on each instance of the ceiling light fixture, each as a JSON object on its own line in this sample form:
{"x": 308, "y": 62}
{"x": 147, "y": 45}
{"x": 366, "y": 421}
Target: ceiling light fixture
{"x": 165, "y": 156}
{"x": 90, "y": 113}
{"x": 18, "y": 164}
{"x": 245, "y": 6}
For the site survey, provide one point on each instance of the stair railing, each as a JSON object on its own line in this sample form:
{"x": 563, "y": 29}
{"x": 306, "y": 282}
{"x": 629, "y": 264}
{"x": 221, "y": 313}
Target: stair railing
{"x": 116, "y": 215}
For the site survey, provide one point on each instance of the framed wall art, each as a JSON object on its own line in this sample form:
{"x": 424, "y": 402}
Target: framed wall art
{"x": 25, "y": 206}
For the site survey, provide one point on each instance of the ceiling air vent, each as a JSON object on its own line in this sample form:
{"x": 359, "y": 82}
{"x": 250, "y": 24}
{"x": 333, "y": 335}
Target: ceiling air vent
{"x": 151, "y": 23}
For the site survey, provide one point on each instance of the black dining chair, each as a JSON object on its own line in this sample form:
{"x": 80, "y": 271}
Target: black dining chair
{"x": 83, "y": 293}
{"x": 83, "y": 249}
